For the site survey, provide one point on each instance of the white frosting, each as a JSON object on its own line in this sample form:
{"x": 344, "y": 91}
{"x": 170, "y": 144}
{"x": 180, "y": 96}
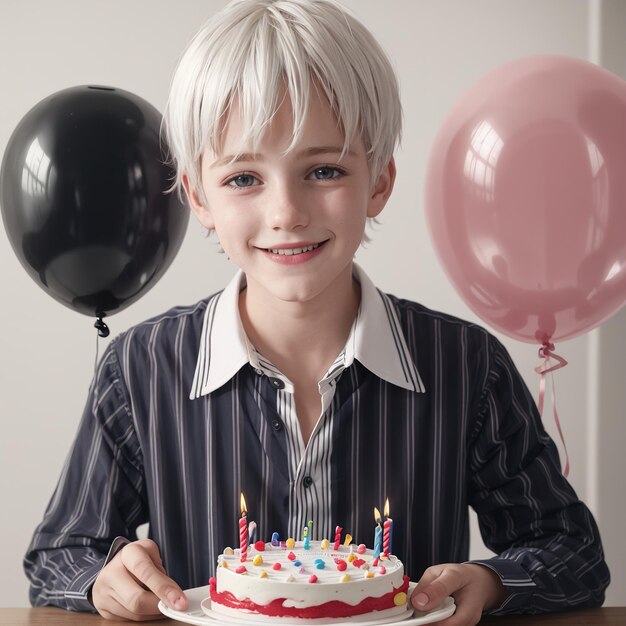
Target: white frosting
{"x": 301, "y": 593}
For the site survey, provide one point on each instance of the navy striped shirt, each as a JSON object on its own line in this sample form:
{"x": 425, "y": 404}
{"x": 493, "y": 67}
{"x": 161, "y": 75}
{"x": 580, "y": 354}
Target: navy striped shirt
{"x": 421, "y": 408}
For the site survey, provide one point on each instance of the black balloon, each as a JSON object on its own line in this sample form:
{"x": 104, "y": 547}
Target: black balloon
{"x": 83, "y": 196}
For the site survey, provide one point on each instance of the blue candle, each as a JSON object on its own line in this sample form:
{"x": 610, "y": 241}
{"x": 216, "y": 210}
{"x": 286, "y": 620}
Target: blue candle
{"x": 307, "y": 539}
{"x": 378, "y": 534}
{"x": 275, "y": 540}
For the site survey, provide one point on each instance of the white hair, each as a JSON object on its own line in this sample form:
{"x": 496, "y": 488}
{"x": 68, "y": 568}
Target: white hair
{"x": 250, "y": 49}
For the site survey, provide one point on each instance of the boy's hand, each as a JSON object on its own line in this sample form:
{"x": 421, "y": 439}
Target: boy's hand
{"x": 475, "y": 588}
{"x": 132, "y": 583}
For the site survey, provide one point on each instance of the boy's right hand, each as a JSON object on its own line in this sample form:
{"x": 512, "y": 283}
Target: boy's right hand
{"x": 132, "y": 583}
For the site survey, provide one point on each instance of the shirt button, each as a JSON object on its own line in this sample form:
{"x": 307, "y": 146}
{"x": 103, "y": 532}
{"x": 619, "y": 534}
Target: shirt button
{"x": 277, "y": 425}
{"x": 277, "y": 383}
{"x": 259, "y": 372}
{"x": 307, "y": 481}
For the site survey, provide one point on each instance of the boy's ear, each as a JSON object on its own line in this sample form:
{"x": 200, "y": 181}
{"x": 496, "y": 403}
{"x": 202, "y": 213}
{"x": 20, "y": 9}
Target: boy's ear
{"x": 202, "y": 212}
{"x": 382, "y": 189}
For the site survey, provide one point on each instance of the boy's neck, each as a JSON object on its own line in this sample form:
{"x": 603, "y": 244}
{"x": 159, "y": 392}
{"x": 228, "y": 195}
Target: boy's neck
{"x": 302, "y": 339}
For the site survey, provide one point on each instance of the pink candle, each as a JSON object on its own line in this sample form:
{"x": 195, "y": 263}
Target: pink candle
{"x": 387, "y": 530}
{"x": 243, "y": 531}
{"x": 338, "y": 530}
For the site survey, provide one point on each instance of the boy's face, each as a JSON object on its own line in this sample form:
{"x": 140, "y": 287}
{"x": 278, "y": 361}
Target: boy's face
{"x": 292, "y": 222}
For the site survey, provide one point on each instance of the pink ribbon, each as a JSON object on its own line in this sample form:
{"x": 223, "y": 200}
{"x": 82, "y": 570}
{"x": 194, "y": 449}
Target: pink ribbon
{"x": 546, "y": 353}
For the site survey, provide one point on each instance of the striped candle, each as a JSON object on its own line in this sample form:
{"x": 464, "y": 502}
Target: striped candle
{"x": 387, "y": 531}
{"x": 243, "y": 531}
{"x": 338, "y": 530}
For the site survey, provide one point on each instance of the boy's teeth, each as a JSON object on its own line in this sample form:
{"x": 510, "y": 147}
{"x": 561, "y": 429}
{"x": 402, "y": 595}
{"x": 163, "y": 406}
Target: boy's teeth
{"x": 290, "y": 251}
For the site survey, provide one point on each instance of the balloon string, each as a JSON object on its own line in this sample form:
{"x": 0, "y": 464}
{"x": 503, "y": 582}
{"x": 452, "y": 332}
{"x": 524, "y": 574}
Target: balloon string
{"x": 546, "y": 352}
{"x": 95, "y": 365}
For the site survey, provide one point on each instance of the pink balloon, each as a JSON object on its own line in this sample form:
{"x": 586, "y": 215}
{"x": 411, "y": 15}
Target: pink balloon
{"x": 525, "y": 197}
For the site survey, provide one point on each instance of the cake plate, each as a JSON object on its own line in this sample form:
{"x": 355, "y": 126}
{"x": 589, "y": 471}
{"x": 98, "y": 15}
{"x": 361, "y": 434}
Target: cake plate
{"x": 200, "y": 614}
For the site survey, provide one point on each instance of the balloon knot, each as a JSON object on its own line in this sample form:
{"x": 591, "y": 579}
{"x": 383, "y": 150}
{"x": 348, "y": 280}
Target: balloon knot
{"x": 103, "y": 329}
{"x": 546, "y": 352}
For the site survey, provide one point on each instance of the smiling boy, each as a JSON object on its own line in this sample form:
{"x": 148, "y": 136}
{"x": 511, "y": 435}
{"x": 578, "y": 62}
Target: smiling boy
{"x": 301, "y": 384}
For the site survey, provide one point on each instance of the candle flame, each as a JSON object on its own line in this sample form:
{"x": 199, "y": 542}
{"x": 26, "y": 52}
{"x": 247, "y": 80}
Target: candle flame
{"x": 244, "y": 508}
{"x": 377, "y": 515}
{"x": 386, "y": 512}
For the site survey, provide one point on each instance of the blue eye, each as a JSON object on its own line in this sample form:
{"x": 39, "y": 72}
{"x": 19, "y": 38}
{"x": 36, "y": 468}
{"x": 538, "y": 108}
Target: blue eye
{"x": 242, "y": 181}
{"x": 326, "y": 173}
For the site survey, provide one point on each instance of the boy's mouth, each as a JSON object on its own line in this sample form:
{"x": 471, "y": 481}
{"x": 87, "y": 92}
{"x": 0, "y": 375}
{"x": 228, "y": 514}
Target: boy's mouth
{"x": 295, "y": 250}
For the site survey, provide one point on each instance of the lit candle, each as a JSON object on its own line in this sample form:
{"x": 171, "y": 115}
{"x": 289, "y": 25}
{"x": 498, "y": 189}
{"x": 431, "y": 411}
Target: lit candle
{"x": 378, "y": 534}
{"x": 310, "y": 525}
{"x": 307, "y": 539}
{"x": 243, "y": 531}
{"x": 387, "y": 530}
{"x": 338, "y": 530}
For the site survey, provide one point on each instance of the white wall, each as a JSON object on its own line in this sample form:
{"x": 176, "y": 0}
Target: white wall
{"x": 439, "y": 48}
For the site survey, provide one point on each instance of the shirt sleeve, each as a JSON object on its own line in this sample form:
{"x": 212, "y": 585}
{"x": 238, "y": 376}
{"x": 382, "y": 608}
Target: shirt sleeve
{"x": 549, "y": 554}
{"x": 98, "y": 502}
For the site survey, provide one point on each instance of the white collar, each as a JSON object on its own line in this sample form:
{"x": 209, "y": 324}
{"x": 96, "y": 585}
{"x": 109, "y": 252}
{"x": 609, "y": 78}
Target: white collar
{"x": 376, "y": 339}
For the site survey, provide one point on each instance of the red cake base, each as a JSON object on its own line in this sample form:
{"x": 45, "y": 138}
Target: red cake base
{"x": 334, "y": 608}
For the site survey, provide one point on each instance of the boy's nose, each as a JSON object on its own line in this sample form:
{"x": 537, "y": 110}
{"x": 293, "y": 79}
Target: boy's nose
{"x": 287, "y": 211}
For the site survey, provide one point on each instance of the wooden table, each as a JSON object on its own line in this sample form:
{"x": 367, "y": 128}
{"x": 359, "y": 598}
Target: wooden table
{"x": 611, "y": 616}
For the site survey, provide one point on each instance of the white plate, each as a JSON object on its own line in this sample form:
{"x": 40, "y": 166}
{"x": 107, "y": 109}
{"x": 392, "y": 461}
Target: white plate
{"x": 199, "y": 613}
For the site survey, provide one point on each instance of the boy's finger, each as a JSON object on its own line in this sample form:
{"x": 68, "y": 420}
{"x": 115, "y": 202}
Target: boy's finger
{"x": 139, "y": 562}
{"x": 433, "y": 592}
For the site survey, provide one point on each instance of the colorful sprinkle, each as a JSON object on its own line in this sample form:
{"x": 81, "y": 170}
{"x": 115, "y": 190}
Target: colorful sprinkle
{"x": 400, "y": 598}
{"x": 289, "y": 579}
{"x": 297, "y": 563}
{"x": 375, "y": 561}
{"x": 291, "y": 556}
{"x": 361, "y": 549}
{"x": 341, "y": 566}
{"x": 347, "y": 540}
{"x": 302, "y": 570}
{"x": 225, "y": 564}
{"x": 382, "y": 570}
{"x": 320, "y": 565}
{"x": 313, "y": 578}
{"x": 345, "y": 578}
{"x": 358, "y": 562}
{"x": 228, "y": 551}
{"x": 369, "y": 574}
{"x": 351, "y": 557}
{"x": 257, "y": 560}
{"x": 325, "y": 544}
{"x": 290, "y": 543}
{"x": 263, "y": 574}
{"x": 241, "y": 569}
{"x": 277, "y": 566}
{"x": 259, "y": 546}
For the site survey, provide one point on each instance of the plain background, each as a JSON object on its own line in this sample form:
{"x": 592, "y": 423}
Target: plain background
{"x": 439, "y": 49}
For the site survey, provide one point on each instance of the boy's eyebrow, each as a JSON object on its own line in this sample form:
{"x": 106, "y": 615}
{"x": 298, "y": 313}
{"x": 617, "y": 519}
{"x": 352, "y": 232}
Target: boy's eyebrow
{"x": 307, "y": 152}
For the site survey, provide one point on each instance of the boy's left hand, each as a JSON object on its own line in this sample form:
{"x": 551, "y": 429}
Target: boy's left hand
{"x": 475, "y": 588}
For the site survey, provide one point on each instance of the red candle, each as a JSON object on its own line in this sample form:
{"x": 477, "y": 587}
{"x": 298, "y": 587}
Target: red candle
{"x": 243, "y": 531}
{"x": 338, "y": 530}
{"x": 387, "y": 530}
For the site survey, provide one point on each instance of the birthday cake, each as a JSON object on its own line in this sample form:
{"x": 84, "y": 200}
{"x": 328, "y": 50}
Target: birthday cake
{"x": 309, "y": 580}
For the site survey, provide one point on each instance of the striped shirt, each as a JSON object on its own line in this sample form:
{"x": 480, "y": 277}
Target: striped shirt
{"x": 420, "y": 408}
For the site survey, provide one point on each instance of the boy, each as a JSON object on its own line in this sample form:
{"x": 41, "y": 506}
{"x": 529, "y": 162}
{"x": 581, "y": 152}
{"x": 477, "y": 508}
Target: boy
{"x": 301, "y": 385}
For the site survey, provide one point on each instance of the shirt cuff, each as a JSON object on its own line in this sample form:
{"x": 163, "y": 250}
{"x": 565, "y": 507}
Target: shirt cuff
{"x": 516, "y": 581}
{"x": 77, "y": 592}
